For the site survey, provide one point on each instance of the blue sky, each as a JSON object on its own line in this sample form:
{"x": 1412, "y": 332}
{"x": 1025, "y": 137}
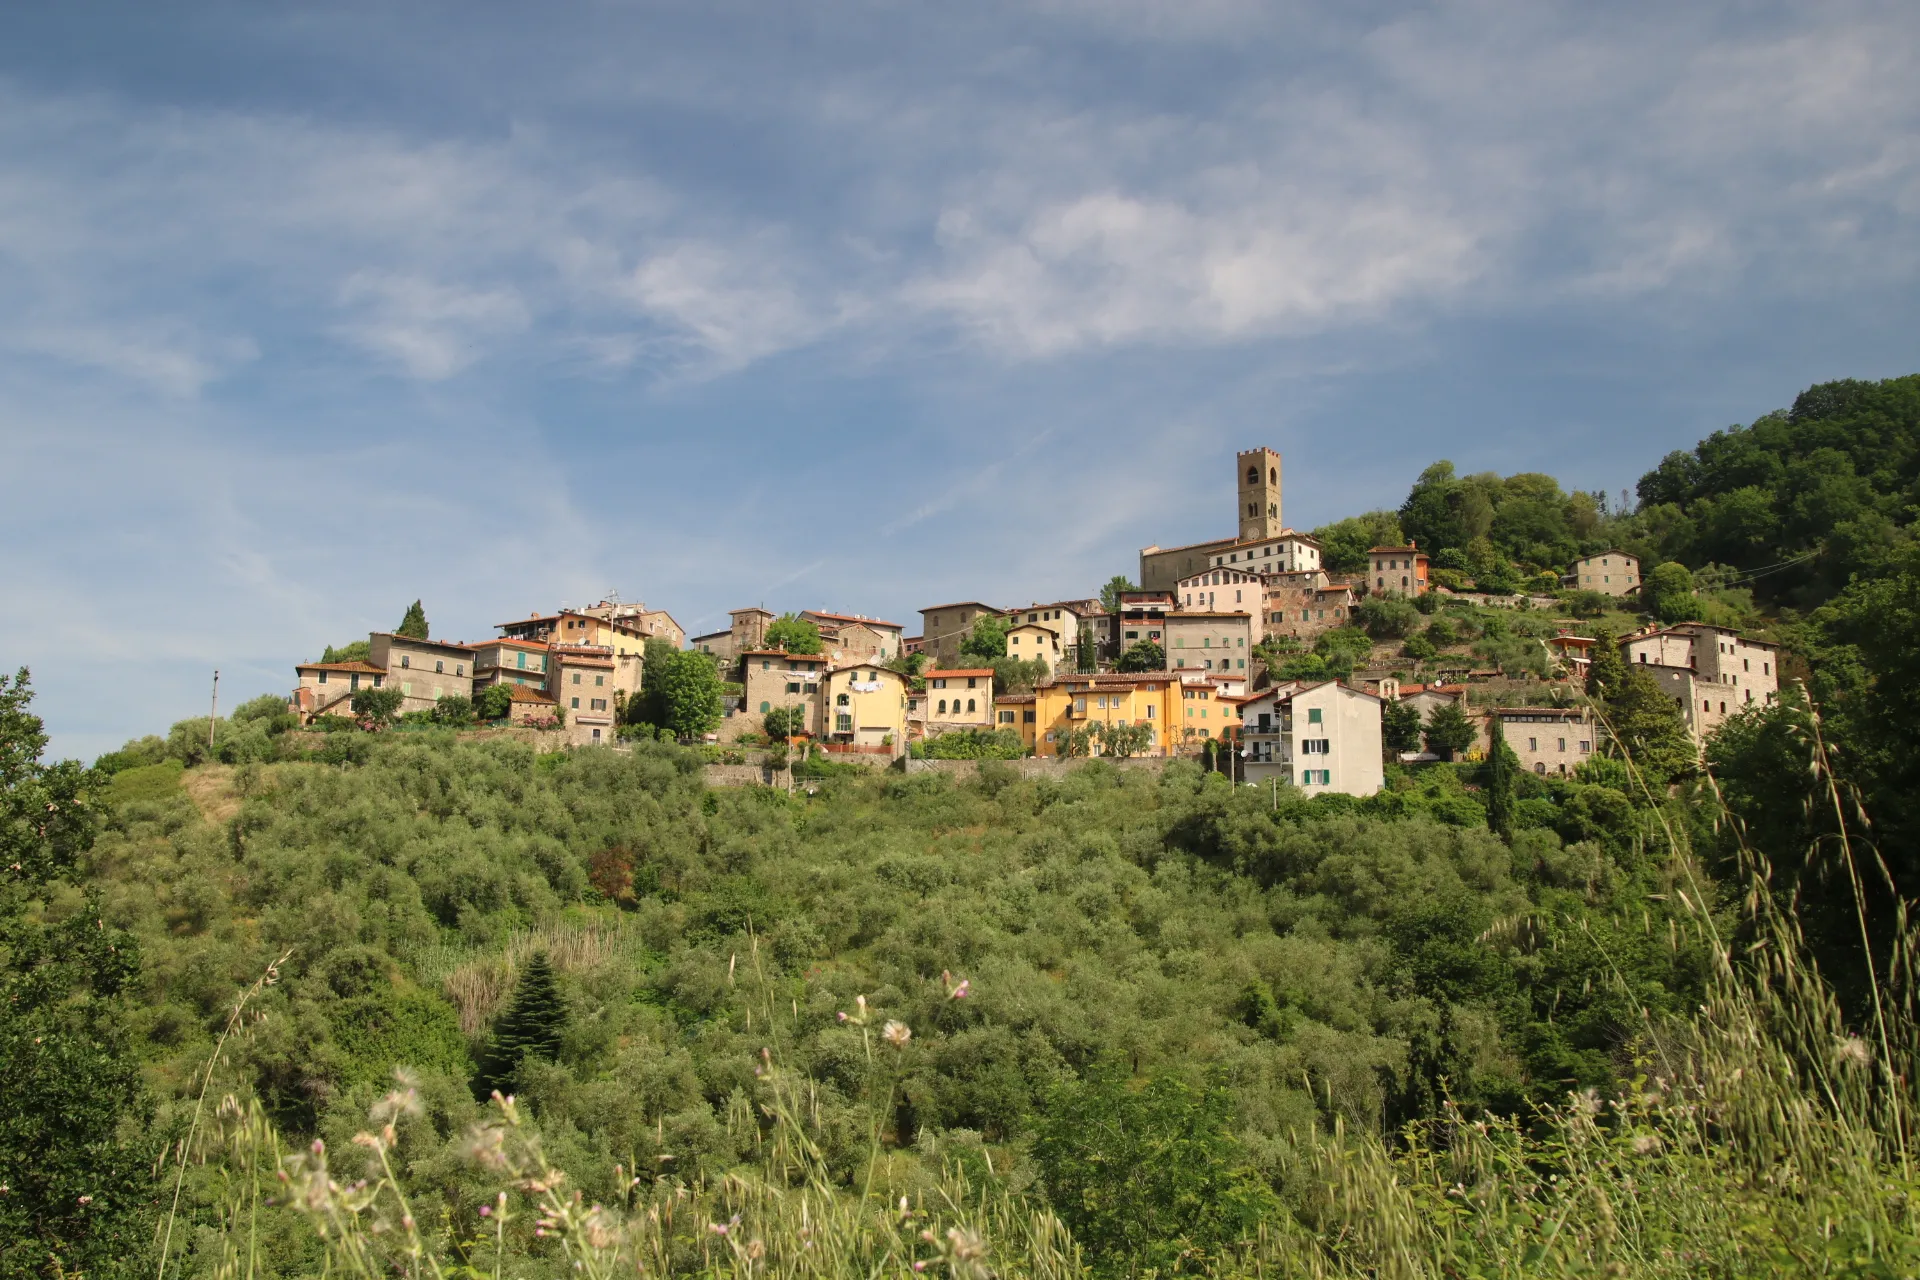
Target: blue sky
{"x": 866, "y": 305}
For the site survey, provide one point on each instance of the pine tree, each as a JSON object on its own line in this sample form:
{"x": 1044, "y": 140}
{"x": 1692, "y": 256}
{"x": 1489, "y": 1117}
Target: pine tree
{"x": 1501, "y": 763}
{"x": 414, "y": 625}
{"x": 530, "y": 1027}
{"x": 1449, "y": 732}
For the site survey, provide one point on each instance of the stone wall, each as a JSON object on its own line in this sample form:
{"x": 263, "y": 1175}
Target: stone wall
{"x": 1033, "y": 766}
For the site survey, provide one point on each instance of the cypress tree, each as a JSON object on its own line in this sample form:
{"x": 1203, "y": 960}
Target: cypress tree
{"x": 530, "y": 1027}
{"x": 1500, "y": 769}
{"x": 1607, "y": 671}
{"x": 414, "y": 625}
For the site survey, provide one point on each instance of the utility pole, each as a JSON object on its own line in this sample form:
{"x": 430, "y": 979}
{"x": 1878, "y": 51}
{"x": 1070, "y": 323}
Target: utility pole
{"x": 213, "y": 710}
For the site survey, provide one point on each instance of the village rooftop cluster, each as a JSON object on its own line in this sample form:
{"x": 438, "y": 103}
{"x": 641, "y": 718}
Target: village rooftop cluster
{"x": 1200, "y": 613}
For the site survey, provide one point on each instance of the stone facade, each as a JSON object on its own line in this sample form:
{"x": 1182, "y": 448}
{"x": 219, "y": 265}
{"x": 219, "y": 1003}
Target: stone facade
{"x": 1612, "y": 573}
{"x": 1397, "y": 571}
{"x": 424, "y": 671}
{"x": 944, "y": 626}
{"x": 1710, "y": 672}
{"x": 327, "y": 688}
{"x": 1305, "y": 604}
{"x": 1552, "y": 741}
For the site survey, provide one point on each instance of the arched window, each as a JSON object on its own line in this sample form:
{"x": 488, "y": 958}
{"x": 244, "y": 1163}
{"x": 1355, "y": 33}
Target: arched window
{"x": 969, "y": 703}
{"x": 943, "y": 706}
{"x": 1253, "y": 508}
{"x": 1273, "y": 475}
{"x": 765, "y": 707}
{"x": 1273, "y": 508}
{"x": 1253, "y": 475}
{"x": 1539, "y": 767}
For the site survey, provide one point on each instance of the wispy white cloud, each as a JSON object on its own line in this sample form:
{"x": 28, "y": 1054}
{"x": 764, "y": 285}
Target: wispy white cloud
{"x": 431, "y": 330}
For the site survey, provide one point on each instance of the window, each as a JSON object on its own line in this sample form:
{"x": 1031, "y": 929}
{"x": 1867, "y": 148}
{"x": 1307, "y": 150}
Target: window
{"x": 765, "y": 707}
{"x": 1563, "y": 744}
{"x": 1313, "y": 715}
{"x": 459, "y": 668}
{"x": 405, "y": 660}
{"x": 1006, "y": 717}
{"x": 522, "y": 664}
{"x": 956, "y": 702}
{"x": 597, "y": 704}
{"x": 841, "y": 701}
{"x": 1133, "y": 635}
{"x": 323, "y": 678}
{"x": 576, "y": 677}
{"x": 943, "y": 706}
{"x": 973, "y": 682}
{"x": 1080, "y": 706}
{"x": 1586, "y": 746}
{"x": 1539, "y": 766}
{"x": 439, "y": 668}
{"x": 406, "y": 688}
{"x": 576, "y": 704}
{"x": 766, "y": 664}
{"x": 1533, "y": 744}
{"x": 596, "y": 735}
{"x": 1766, "y": 669}
{"x": 843, "y": 723}
{"x": 600, "y": 680}
{"x": 1150, "y": 711}
{"x": 793, "y": 686}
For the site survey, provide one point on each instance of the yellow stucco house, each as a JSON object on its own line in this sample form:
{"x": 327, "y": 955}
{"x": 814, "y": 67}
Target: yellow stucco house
{"x": 865, "y": 706}
{"x": 1167, "y": 702}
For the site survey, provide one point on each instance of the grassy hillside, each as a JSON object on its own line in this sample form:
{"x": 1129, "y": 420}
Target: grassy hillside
{"x": 1304, "y": 981}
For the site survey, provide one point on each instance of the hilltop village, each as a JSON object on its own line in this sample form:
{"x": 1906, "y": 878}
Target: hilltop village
{"x": 1247, "y": 652}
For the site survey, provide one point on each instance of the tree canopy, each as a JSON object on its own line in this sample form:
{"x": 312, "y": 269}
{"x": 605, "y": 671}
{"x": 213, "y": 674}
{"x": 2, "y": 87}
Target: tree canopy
{"x": 414, "y": 624}
{"x": 794, "y": 634}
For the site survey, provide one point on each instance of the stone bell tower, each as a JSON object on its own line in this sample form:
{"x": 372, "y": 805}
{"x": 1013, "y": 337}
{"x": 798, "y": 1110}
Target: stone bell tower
{"x": 1259, "y": 481}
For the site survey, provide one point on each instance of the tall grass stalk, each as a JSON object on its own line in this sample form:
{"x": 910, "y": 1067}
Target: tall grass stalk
{"x": 265, "y": 980}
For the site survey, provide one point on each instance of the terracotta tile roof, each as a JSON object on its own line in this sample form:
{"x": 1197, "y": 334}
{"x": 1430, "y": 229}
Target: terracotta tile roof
{"x": 849, "y": 618}
{"x": 1011, "y": 698}
{"x": 532, "y": 617}
{"x": 358, "y": 668}
{"x": 1381, "y": 551}
{"x": 523, "y": 694}
{"x": 516, "y": 644}
{"x": 431, "y": 644}
{"x": 1157, "y": 550}
{"x": 959, "y": 671}
{"x": 961, "y": 604}
{"x": 782, "y": 653}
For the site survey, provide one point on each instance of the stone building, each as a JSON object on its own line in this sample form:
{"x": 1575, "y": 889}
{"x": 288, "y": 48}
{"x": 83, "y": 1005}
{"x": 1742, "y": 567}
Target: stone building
{"x": 1552, "y": 741}
{"x": 1710, "y": 672}
{"x": 1397, "y": 571}
{"x": 1612, "y": 573}
{"x": 327, "y": 688}
{"x": 424, "y": 671}
{"x": 944, "y": 626}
